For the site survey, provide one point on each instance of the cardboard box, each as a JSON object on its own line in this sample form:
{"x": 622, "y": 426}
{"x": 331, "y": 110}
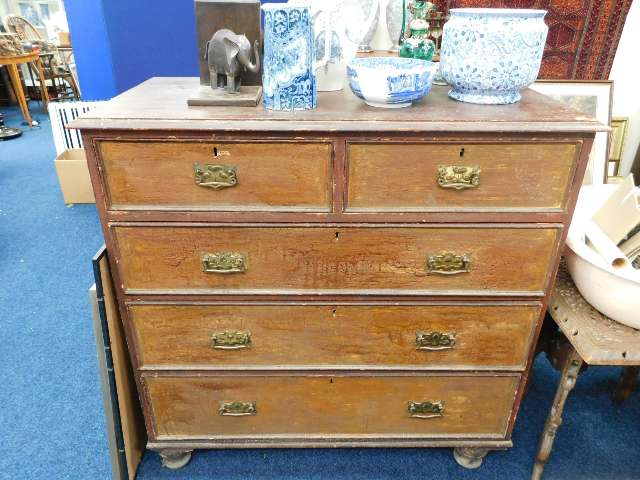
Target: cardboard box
{"x": 73, "y": 175}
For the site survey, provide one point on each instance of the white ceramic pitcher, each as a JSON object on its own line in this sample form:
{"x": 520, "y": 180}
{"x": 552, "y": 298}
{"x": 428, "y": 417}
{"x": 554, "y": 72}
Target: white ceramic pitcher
{"x": 338, "y": 26}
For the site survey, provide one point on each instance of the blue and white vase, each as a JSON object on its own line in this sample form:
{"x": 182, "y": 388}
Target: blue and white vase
{"x": 490, "y": 54}
{"x": 289, "y": 72}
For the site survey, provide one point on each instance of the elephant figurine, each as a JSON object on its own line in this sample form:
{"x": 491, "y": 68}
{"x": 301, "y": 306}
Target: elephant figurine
{"x": 227, "y": 55}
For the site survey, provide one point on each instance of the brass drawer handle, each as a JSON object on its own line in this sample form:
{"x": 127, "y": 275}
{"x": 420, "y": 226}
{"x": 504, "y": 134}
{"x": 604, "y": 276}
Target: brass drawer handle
{"x": 224, "y": 262}
{"x": 215, "y": 176}
{"x": 435, "y": 341}
{"x": 458, "y": 177}
{"x": 237, "y": 409}
{"x": 231, "y": 340}
{"x": 448, "y": 263}
{"x": 426, "y": 409}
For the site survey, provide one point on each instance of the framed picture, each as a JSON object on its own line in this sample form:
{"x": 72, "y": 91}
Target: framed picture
{"x": 593, "y": 98}
{"x": 616, "y": 144}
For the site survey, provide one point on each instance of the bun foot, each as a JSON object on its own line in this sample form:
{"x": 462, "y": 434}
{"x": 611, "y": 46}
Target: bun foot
{"x": 175, "y": 459}
{"x": 469, "y": 457}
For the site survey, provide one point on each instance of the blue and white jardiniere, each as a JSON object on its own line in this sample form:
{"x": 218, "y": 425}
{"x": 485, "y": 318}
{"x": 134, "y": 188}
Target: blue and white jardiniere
{"x": 390, "y": 82}
{"x": 490, "y": 54}
{"x": 289, "y": 68}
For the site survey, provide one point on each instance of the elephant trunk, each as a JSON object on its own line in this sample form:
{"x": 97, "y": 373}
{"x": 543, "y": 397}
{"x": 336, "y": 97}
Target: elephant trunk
{"x": 255, "y": 67}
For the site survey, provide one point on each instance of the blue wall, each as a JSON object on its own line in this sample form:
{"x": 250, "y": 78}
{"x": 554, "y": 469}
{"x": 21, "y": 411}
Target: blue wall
{"x": 120, "y": 43}
{"x": 91, "y": 48}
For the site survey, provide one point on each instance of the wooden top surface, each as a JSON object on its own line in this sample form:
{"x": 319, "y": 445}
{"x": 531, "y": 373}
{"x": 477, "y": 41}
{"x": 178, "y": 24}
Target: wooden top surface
{"x": 17, "y": 59}
{"x": 161, "y": 103}
{"x": 599, "y": 340}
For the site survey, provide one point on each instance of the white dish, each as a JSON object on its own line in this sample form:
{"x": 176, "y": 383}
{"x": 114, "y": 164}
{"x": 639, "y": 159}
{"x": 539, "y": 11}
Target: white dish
{"x": 615, "y": 294}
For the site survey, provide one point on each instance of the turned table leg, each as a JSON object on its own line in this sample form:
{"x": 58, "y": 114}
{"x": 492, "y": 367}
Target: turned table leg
{"x": 470, "y": 457}
{"x": 174, "y": 459}
{"x": 14, "y": 75}
{"x": 43, "y": 84}
{"x": 568, "y": 378}
{"x": 626, "y": 384}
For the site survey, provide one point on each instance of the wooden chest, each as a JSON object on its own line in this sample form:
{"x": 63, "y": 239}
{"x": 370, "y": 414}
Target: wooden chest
{"x": 346, "y": 276}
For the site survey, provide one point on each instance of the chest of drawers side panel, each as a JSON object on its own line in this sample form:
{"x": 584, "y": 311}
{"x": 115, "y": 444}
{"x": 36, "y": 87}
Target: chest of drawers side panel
{"x": 100, "y": 189}
{"x": 572, "y": 198}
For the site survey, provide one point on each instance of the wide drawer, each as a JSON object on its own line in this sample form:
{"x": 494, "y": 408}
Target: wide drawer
{"x": 421, "y": 406}
{"x": 341, "y": 260}
{"x": 461, "y": 176}
{"x": 277, "y": 176}
{"x": 316, "y": 336}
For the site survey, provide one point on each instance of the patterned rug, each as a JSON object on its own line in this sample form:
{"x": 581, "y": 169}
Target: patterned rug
{"x": 583, "y": 34}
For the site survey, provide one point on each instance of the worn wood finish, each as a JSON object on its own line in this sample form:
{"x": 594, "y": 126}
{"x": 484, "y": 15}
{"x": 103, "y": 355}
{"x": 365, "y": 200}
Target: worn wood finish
{"x": 187, "y": 407}
{"x": 329, "y": 441}
{"x": 241, "y": 214}
{"x": 267, "y": 180}
{"x": 179, "y": 336}
{"x": 335, "y": 260}
{"x": 161, "y": 103}
{"x": 384, "y": 177}
{"x": 156, "y": 112}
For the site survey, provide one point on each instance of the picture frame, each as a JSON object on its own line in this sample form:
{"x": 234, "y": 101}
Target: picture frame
{"x": 593, "y": 98}
{"x": 616, "y": 146}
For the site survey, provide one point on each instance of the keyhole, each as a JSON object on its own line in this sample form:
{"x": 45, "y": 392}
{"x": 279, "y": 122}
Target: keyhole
{"x": 331, "y": 380}
{"x": 215, "y": 151}
{"x": 333, "y": 312}
{"x": 337, "y": 236}
{"x": 461, "y": 152}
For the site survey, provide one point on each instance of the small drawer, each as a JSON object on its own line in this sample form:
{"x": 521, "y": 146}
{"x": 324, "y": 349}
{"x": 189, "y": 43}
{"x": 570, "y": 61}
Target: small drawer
{"x": 218, "y": 176}
{"x": 421, "y": 406}
{"x": 463, "y": 176}
{"x": 342, "y": 260}
{"x": 418, "y": 337}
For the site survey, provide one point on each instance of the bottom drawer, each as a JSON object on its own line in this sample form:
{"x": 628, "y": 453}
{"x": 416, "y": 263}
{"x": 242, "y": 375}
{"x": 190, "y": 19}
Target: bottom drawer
{"x": 203, "y": 407}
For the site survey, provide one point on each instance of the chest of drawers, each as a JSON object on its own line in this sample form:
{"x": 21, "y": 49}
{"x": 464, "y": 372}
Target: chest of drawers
{"x": 340, "y": 277}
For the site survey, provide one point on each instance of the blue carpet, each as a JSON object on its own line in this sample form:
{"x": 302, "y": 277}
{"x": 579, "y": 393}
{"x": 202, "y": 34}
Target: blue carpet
{"x": 51, "y": 418}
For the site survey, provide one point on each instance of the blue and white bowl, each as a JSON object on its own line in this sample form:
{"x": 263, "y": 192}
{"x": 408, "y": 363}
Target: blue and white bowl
{"x": 490, "y": 54}
{"x": 390, "y": 82}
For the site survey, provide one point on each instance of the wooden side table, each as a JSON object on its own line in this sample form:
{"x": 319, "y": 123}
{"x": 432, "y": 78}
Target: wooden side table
{"x": 590, "y": 339}
{"x": 12, "y": 63}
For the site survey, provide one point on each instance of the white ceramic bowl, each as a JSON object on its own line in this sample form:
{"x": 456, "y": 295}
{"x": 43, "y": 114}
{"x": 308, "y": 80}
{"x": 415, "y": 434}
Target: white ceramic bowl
{"x": 390, "y": 82}
{"x": 616, "y": 294}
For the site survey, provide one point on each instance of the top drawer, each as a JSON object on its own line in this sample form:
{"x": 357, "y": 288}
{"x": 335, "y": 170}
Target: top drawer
{"x": 386, "y": 177}
{"x": 276, "y": 176}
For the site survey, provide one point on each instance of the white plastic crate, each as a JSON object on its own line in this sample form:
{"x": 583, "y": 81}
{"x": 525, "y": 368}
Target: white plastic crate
{"x": 61, "y": 115}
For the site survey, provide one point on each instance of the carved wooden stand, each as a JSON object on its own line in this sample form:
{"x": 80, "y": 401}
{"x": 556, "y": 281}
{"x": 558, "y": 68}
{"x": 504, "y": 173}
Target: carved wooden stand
{"x": 584, "y": 337}
{"x": 570, "y": 371}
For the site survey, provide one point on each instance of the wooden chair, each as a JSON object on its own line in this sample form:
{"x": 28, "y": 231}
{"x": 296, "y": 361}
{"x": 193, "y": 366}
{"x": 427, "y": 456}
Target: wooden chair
{"x": 55, "y": 68}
